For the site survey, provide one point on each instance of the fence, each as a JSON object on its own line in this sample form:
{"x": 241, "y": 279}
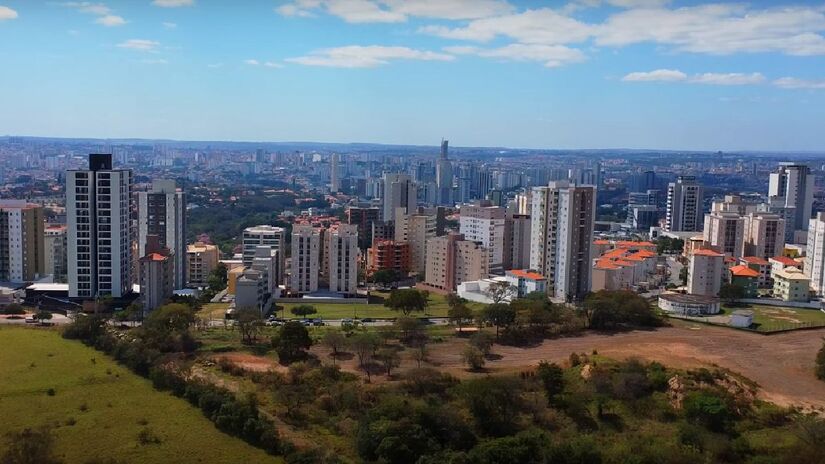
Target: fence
{"x": 764, "y": 329}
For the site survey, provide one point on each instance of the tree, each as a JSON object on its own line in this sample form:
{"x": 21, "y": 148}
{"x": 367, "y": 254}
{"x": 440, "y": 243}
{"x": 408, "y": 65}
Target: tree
{"x": 473, "y": 358}
{"x": 459, "y": 313}
{"x": 386, "y": 277}
{"x": 389, "y": 359}
{"x": 43, "y": 315}
{"x": 608, "y": 310}
{"x": 406, "y": 300}
{"x": 500, "y": 292}
{"x": 454, "y": 300}
{"x": 292, "y": 342}
{"x": 683, "y": 275}
{"x": 249, "y": 322}
{"x": 552, "y": 379}
{"x": 483, "y": 341}
{"x": 730, "y": 293}
{"x": 409, "y": 327}
{"x": 335, "y": 340}
{"x": 303, "y": 310}
{"x": 13, "y": 309}
{"x": 500, "y": 315}
{"x": 708, "y": 409}
{"x": 30, "y": 446}
{"x": 495, "y": 403}
{"x": 364, "y": 344}
{"x": 420, "y": 353}
{"x": 170, "y": 317}
{"x": 820, "y": 363}
{"x": 216, "y": 282}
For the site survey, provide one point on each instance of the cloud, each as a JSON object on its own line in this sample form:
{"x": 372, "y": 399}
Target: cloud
{"x": 252, "y": 62}
{"x": 272, "y": 64}
{"x": 111, "y": 20}
{"x": 543, "y": 26}
{"x": 551, "y": 55}
{"x": 638, "y": 3}
{"x": 393, "y": 11}
{"x": 794, "y": 83}
{"x": 169, "y": 25}
{"x": 173, "y": 3}
{"x": 660, "y": 75}
{"x": 674, "y": 75}
{"x": 142, "y": 45}
{"x": 356, "y": 56}
{"x": 158, "y": 61}
{"x": 7, "y": 13}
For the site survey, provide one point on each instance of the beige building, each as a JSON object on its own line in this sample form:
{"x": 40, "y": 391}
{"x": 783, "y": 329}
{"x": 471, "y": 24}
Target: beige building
{"x": 417, "y": 230}
{"x": 201, "y": 260}
{"x": 724, "y": 232}
{"x": 484, "y": 223}
{"x": 157, "y": 274}
{"x": 22, "y": 249}
{"x": 623, "y": 269}
{"x": 764, "y": 235}
{"x": 791, "y": 284}
{"x": 705, "y": 272}
{"x": 452, "y": 260}
{"x": 517, "y": 241}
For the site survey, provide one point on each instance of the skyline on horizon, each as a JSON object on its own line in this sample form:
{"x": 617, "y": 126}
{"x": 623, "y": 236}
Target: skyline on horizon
{"x": 581, "y": 74}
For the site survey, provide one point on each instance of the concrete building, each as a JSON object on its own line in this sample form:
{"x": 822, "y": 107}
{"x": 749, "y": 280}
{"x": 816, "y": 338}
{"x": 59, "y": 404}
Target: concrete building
{"x": 201, "y": 260}
{"x": 452, "y": 260}
{"x": 157, "y": 275}
{"x": 526, "y": 281}
{"x": 444, "y": 176}
{"x": 760, "y": 265}
{"x": 251, "y": 291}
{"x": 343, "y": 259}
{"x": 791, "y": 194}
{"x": 689, "y": 305}
{"x": 363, "y": 218}
{"x": 22, "y": 248}
{"x": 389, "y": 254}
{"x": 746, "y": 278}
{"x": 56, "y": 246}
{"x": 482, "y": 222}
{"x": 791, "y": 284}
{"x": 725, "y": 232}
{"x": 266, "y": 262}
{"x": 162, "y": 212}
{"x": 643, "y": 210}
{"x": 815, "y": 254}
{"x": 561, "y": 230}
{"x": 271, "y": 236}
{"x": 100, "y": 230}
{"x": 764, "y": 234}
{"x": 517, "y": 241}
{"x": 399, "y": 192}
{"x": 335, "y": 173}
{"x": 305, "y": 260}
{"x": 624, "y": 268}
{"x": 417, "y": 230}
{"x": 705, "y": 273}
{"x": 684, "y": 205}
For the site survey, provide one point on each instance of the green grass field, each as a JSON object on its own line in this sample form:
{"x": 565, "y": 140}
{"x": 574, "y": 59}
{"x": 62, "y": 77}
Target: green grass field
{"x": 99, "y": 408}
{"x": 437, "y": 308}
{"x": 768, "y": 318}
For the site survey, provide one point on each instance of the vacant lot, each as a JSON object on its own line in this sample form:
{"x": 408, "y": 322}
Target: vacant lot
{"x": 437, "y": 308}
{"x": 98, "y": 409}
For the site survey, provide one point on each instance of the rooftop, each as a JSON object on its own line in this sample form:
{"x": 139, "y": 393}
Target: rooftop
{"x": 688, "y": 299}
{"x": 743, "y": 271}
{"x": 755, "y": 260}
{"x": 526, "y": 274}
{"x": 706, "y": 252}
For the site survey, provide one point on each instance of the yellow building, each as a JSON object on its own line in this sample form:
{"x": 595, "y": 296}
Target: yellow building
{"x": 201, "y": 260}
{"x": 790, "y": 284}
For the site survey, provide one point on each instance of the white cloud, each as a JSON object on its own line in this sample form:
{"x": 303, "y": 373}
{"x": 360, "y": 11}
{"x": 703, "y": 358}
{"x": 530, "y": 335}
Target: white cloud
{"x": 252, "y": 62}
{"x": 638, "y": 3}
{"x": 142, "y": 45}
{"x": 356, "y": 56}
{"x": 551, "y": 56}
{"x": 173, "y": 3}
{"x": 543, "y": 26}
{"x": 393, "y": 11}
{"x": 111, "y": 20}
{"x": 674, "y": 75}
{"x": 169, "y": 25}
{"x": 664, "y": 75}
{"x": 272, "y": 64}
{"x": 794, "y": 83}
{"x": 7, "y": 13}
{"x": 158, "y": 61}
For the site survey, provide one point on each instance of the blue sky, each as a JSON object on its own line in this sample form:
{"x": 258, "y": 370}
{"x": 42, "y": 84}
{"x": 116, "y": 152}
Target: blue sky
{"x": 576, "y": 74}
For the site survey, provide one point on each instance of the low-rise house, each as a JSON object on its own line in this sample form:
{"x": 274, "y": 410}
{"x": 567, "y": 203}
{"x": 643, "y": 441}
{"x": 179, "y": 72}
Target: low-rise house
{"x": 745, "y": 277}
{"x": 760, "y": 265}
{"x": 791, "y": 284}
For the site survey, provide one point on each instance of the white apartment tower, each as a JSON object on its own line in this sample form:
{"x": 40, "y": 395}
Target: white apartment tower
{"x": 725, "y": 233}
{"x": 343, "y": 259}
{"x": 265, "y": 235}
{"x": 335, "y": 173}
{"x": 22, "y": 252}
{"x": 484, "y": 223}
{"x": 705, "y": 272}
{"x": 684, "y": 205}
{"x": 162, "y": 212}
{"x": 100, "y": 231}
{"x": 305, "y": 260}
{"x": 791, "y": 193}
{"x": 815, "y": 254}
{"x": 561, "y": 230}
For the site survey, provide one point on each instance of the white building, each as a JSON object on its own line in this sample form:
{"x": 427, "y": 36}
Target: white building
{"x": 100, "y": 231}
{"x": 271, "y": 236}
{"x": 305, "y": 260}
{"x": 815, "y": 254}
{"x": 399, "y": 192}
{"x": 561, "y": 236}
{"x": 764, "y": 235}
{"x": 791, "y": 193}
{"x": 335, "y": 173}
{"x": 343, "y": 259}
{"x": 162, "y": 212}
{"x": 482, "y": 222}
{"x": 705, "y": 272}
{"x": 684, "y": 205}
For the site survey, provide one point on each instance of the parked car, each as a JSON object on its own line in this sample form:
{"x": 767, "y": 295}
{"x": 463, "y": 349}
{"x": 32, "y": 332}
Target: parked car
{"x": 30, "y": 320}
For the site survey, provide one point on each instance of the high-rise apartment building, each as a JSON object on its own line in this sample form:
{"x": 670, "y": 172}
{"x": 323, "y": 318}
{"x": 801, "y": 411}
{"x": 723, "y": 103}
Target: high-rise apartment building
{"x": 157, "y": 274}
{"x": 100, "y": 231}
{"x": 162, "y": 212}
{"x": 815, "y": 254}
{"x": 684, "y": 205}
{"x": 764, "y": 235}
{"x": 201, "y": 260}
{"x": 363, "y": 218}
{"x": 791, "y": 194}
{"x": 305, "y": 259}
{"x": 389, "y": 254}
{"x": 399, "y": 192}
{"x": 563, "y": 217}
{"x": 55, "y": 245}
{"x": 335, "y": 173}
{"x": 342, "y": 245}
{"x": 451, "y": 260}
{"x": 705, "y": 272}
{"x": 517, "y": 241}
{"x": 725, "y": 233}
{"x": 22, "y": 250}
{"x": 417, "y": 230}
{"x": 484, "y": 223}
{"x": 271, "y": 236}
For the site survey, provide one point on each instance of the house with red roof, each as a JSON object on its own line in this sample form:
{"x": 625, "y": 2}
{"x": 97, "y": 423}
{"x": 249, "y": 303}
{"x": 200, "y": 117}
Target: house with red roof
{"x": 745, "y": 277}
{"x": 760, "y": 265}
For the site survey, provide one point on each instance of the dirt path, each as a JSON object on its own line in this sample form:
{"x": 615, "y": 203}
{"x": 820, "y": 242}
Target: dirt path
{"x": 781, "y": 364}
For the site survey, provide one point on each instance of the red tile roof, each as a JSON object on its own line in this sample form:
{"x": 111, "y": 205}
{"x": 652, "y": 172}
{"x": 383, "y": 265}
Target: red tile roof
{"x": 755, "y": 260}
{"x": 785, "y": 260}
{"x": 526, "y": 274}
{"x": 706, "y": 252}
{"x": 743, "y": 271}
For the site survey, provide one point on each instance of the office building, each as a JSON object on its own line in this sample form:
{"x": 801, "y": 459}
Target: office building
{"x": 791, "y": 194}
{"x": 100, "y": 231}
{"x": 561, "y": 230}
{"x": 305, "y": 259}
{"x": 444, "y": 176}
{"x": 342, "y": 246}
{"x": 56, "y": 246}
{"x": 452, "y": 260}
{"x": 162, "y": 212}
{"x": 705, "y": 273}
{"x": 643, "y": 210}
{"x": 684, "y": 205}
{"x": 271, "y": 236}
{"x": 484, "y": 223}
{"x": 22, "y": 248}
{"x": 399, "y": 192}
{"x": 201, "y": 260}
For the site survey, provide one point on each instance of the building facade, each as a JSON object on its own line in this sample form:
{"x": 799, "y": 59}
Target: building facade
{"x": 162, "y": 212}
{"x": 452, "y": 260}
{"x": 55, "y": 244}
{"x": 343, "y": 259}
{"x": 684, "y": 205}
{"x": 201, "y": 260}
{"x": 22, "y": 247}
{"x": 305, "y": 260}
{"x": 705, "y": 273}
{"x": 271, "y": 236}
{"x": 484, "y": 223}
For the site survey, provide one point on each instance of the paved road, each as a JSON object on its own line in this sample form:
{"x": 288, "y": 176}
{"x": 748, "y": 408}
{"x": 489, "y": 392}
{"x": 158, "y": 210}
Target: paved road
{"x": 57, "y": 319}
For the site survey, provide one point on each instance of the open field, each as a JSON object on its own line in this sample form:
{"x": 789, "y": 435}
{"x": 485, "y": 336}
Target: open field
{"x": 437, "y": 308}
{"x": 99, "y": 408}
{"x": 773, "y": 318}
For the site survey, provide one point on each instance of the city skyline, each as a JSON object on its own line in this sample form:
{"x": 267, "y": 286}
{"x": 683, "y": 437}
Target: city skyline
{"x": 641, "y": 74}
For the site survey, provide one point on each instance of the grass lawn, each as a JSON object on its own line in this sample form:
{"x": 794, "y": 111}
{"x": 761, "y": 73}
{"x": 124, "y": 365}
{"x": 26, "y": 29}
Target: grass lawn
{"x": 437, "y": 308}
{"x": 214, "y": 310}
{"x": 99, "y": 408}
{"x": 777, "y": 317}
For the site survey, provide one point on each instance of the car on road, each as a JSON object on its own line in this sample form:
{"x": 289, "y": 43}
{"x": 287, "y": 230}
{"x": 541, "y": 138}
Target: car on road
{"x": 367, "y": 319}
{"x": 30, "y": 320}
{"x": 317, "y": 322}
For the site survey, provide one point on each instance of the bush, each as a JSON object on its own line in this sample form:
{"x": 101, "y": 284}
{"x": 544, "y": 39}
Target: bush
{"x": 709, "y": 410}
{"x": 473, "y": 358}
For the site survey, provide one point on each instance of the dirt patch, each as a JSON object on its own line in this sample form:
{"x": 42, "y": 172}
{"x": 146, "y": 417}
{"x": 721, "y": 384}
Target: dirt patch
{"x": 251, "y": 362}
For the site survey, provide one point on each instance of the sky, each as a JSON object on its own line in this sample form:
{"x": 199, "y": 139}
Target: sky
{"x": 652, "y": 74}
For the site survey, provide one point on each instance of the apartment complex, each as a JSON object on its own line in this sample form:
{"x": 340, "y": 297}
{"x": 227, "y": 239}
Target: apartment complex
{"x": 484, "y": 223}
{"x": 265, "y": 235}
{"x": 684, "y": 205}
{"x": 399, "y": 192}
{"x": 791, "y": 195}
{"x": 815, "y": 254}
{"x": 22, "y": 250}
{"x": 305, "y": 259}
{"x": 452, "y": 260}
{"x": 55, "y": 245}
{"x": 201, "y": 260}
{"x": 705, "y": 272}
{"x": 162, "y": 212}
